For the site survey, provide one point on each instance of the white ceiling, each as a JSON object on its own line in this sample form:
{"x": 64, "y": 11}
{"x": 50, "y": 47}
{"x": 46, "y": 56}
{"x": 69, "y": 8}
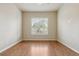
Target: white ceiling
{"x": 38, "y": 6}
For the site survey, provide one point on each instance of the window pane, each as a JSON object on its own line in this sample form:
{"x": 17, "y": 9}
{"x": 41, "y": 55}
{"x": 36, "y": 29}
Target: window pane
{"x": 39, "y": 26}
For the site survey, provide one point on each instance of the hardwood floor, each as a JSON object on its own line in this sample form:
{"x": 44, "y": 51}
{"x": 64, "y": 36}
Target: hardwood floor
{"x": 39, "y": 48}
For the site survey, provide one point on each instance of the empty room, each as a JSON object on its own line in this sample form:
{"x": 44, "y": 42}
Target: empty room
{"x": 39, "y": 29}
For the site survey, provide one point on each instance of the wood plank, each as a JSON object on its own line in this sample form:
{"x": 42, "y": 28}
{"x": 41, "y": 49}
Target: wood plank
{"x": 39, "y": 48}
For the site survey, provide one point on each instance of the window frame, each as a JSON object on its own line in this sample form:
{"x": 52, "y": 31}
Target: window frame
{"x": 39, "y": 19}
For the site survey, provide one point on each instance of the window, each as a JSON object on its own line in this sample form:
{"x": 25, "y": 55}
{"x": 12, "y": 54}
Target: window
{"x": 39, "y": 26}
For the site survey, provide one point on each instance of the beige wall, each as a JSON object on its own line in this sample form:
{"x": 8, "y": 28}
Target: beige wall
{"x": 10, "y": 25}
{"x": 51, "y": 25}
{"x": 68, "y": 25}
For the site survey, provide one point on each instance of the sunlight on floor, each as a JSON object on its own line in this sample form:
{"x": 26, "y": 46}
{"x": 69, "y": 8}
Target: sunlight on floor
{"x": 39, "y": 50}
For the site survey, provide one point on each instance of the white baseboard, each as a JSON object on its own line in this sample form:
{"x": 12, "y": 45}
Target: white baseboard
{"x": 39, "y": 40}
{"x": 69, "y": 47}
{"x": 10, "y": 46}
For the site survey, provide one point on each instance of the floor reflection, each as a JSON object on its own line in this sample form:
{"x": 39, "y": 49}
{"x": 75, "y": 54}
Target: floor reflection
{"x": 39, "y": 50}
